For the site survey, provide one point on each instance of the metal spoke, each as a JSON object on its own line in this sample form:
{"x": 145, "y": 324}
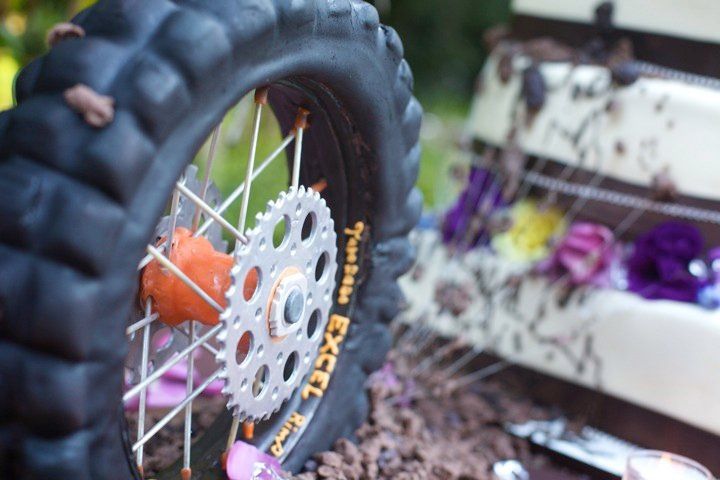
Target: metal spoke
{"x": 580, "y": 202}
{"x": 419, "y": 343}
{"x": 148, "y": 258}
{"x": 188, "y": 407}
{"x": 143, "y": 377}
{"x": 436, "y": 357}
{"x": 462, "y": 361}
{"x": 210, "y": 211}
{"x": 147, "y": 320}
{"x": 232, "y": 197}
{"x": 297, "y": 158}
{"x": 238, "y": 120}
{"x": 628, "y": 222}
{"x": 173, "y": 220}
{"x": 172, "y": 362}
{"x": 172, "y": 413}
{"x": 260, "y": 100}
{"x": 208, "y": 172}
{"x": 300, "y": 126}
{"x": 413, "y": 331}
{"x": 480, "y": 374}
{"x": 165, "y": 262}
{"x": 173, "y": 223}
{"x": 525, "y": 187}
{"x": 207, "y": 347}
{"x": 239, "y": 190}
{"x": 232, "y": 434}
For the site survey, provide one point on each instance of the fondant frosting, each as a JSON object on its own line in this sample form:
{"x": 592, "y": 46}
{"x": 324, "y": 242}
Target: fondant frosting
{"x": 630, "y": 133}
{"x": 661, "y": 355}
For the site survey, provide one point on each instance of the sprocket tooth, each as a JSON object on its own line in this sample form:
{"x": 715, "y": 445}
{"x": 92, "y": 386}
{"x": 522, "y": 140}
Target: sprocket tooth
{"x": 226, "y": 314}
{"x": 234, "y": 271}
{"x": 229, "y": 294}
{"x": 222, "y": 336}
{"x": 252, "y": 233}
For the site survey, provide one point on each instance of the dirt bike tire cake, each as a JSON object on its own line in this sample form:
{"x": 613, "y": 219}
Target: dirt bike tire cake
{"x": 106, "y": 124}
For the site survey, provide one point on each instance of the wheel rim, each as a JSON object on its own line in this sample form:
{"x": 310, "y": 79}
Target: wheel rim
{"x": 206, "y": 225}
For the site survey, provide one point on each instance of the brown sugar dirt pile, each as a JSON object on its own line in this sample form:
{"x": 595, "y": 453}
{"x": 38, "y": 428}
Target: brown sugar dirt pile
{"x": 166, "y": 446}
{"x": 420, "y": 429}
{"x": 420, "y": 426}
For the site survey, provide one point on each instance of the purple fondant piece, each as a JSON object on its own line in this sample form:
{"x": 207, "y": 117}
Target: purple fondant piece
{"x": 482, "y": 191}
{"x": 658, "y": 265}
{"x": 246, "y": 462}
{"x": 583, "y": 257}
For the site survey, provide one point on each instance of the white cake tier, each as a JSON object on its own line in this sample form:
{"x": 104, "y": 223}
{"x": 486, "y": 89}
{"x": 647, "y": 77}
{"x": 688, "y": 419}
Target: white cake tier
{"x": 630, "y": 133}
{"x": 690, "y": 19}
{"x": 661, "y": 355}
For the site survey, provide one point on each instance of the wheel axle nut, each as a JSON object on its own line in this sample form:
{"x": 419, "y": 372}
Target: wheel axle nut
{"x": 287, "y": 308}
{"x": 294, "y": 306}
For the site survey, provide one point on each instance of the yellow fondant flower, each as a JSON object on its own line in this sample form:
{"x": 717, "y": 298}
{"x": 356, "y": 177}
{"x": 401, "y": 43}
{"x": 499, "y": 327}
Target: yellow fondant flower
{"x": 528, "y": 240}
{"x": 8, "y": 69}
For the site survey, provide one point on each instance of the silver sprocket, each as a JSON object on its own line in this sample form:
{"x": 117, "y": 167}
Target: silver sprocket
{"x": 263, "y": 376}
{"x": 186, "y": 209}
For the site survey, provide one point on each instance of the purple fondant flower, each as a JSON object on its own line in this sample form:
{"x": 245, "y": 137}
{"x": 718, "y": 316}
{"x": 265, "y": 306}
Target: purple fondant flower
{"x": 709, "y": 297}
{"x": 658, "y": 267}
{"x": 583, "y": 257}
{"x": 481, "y": 197}
{"x": 247, "y": 462}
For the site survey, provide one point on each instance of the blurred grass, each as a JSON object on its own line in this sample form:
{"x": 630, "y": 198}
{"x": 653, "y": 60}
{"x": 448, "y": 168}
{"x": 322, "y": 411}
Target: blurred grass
{"x": 444, "y": 117}
{"x": 231, "y": 161}
{"x": 443, "y": 39}
{"x": 442, "y": 128}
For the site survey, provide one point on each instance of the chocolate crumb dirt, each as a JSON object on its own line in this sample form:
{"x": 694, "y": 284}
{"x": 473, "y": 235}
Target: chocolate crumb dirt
{"x": 166, "y": 446}
{"x": 419, "y": 428}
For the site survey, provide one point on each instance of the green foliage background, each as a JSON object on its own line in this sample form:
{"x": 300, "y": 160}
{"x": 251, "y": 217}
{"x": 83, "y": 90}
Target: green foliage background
{"x": 443, "y": 39}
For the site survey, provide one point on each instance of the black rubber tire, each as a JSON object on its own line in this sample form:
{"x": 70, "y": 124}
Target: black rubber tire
{"x": 76, "y": 208}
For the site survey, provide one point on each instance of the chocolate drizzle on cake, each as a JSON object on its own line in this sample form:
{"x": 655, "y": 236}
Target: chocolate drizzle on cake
{"x": 533, "y": 89}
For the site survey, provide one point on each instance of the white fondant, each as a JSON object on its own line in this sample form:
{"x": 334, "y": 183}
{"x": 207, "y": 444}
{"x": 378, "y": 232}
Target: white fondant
{"x": 654, "y": 124}
{"x": 691, "y": 19}
{"x": 658, "y": 354}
